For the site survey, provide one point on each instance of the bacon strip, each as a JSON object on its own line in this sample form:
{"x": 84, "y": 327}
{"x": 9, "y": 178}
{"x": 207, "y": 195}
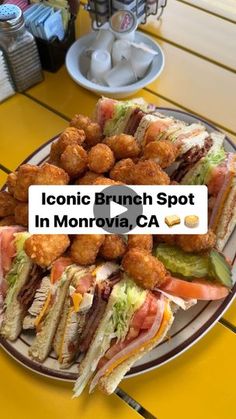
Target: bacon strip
{"x": 190, "y": 158}
{"x": 134, "y": 121}
{"x": 93, "y": 318}
{"x": 95, "y": 314}
{"x": 28, "y": 291}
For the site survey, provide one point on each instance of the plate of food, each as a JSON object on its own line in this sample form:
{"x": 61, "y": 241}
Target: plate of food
{"x": 97, "y": 308}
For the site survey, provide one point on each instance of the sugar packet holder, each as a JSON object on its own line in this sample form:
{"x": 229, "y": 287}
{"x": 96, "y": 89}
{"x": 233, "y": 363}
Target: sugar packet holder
{"x": 45, "y": 21}
{"x": 52, "y": 53}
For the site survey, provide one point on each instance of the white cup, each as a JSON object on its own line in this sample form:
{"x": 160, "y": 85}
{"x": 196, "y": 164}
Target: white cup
{"x": 104, "y": 40}
{"x": 120, "y": 50}
{"x": 120, "y": 75}
{"x": 128, "y": 36}
{"x": 141, "y": 57}
{"x": 100, "y": 64}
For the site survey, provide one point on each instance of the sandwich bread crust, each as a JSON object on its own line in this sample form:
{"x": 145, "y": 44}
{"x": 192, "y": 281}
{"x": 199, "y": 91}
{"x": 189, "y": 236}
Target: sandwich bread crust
{"x": 14, "y": 313}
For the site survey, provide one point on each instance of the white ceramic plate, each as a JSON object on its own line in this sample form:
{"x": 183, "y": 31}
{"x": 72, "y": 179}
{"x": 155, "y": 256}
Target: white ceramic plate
{"x": 77, "y": 65}
{"x": 188, "y": 326}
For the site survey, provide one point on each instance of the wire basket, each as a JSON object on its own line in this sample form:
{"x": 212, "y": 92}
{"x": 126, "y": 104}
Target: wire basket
{"x": 101, "y": 10}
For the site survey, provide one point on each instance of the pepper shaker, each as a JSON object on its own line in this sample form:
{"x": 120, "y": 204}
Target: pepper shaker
{"x": 19, "y": 47}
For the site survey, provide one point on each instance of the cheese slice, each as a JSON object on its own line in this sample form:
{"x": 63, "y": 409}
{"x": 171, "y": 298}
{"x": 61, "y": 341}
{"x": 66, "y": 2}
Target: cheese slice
{"x": 76, "y": 299}
{"x": 43, "y": 311}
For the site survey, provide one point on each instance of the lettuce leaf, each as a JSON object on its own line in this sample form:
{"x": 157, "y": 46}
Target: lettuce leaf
{"x": 115, "y": 125}
{"x": 20, "y": 239}
{"x": 111, "y": 126}
{"x": 19, "y": 262}
{"x": 201, "y": 175}
{"x": 128, "y": 298}
{"x": 16, "y": 268}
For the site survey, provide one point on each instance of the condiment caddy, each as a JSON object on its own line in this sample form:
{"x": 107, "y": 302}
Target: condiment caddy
{"x": 101, "y": 10}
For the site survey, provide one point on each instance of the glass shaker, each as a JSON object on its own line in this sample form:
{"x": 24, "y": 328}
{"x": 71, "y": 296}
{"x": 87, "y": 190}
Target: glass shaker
{"x": 19, "y": 47}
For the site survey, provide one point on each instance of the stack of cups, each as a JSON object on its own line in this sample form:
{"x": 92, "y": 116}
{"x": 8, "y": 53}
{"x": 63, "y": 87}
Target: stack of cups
{"x": 100, "y": 64}
{"x": 100, "y": 51}
{"x": 116, "y": 60}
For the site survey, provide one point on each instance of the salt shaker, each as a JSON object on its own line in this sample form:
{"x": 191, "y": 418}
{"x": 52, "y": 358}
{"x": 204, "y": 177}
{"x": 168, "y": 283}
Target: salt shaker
{"x": 6, "y": 86}
{"x": 19, "y": 47}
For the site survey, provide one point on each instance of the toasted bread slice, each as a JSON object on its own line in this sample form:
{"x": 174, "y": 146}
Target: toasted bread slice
{"x": 14, "y": 313}
{"x": 227, "y": 220}
{"x": 42, "y": 343}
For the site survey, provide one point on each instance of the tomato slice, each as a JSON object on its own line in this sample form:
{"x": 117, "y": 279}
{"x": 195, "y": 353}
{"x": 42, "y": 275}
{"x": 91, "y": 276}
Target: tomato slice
{"x": 155, "y": 128}
{"x": 200, "y": 289}
{"x": 217, "y": 179}
{"x": 105, "y": 110}
{"x": 8, "y": 247}
{"x": 148, "y": 322}
{"x": 58, "y": 268}
{"x": 153, "y": 305}
{"x": 140, "y": 314}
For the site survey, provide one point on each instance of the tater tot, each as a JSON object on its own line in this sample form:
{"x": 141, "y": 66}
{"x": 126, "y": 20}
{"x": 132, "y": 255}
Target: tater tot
{"x": 73, "y": 134}
{"x": 74, "y": 160}
{"x": 140, "y": 241}
{"x": 113, "y": 247}
{"x": 55, "y": 154}
{"x": 48, "y": 174}
{"x": 92, "y": 129}
{"x": 11, "y": 182}
{"x": 100, "y": 158}
{"x": 122, "y": 171}
{"x": 93, "y": 134}
{"x": 196, "y": 242}
{"x": 85, "y": 248}
{"x": 80, "y": 121}
{"x": 8, "y": 221}
{"x": 21, "y": 213}
{"x": 7, "y": 204}
{"x": 123, "y": 146}
{"x": 163, "y": 153}
{"x": 26, "y": 176}
{"x": 146, "y": 270}
{"x": 166, "y": 238}
{"x": 70, "y": 136}
{"x": 88, "y": 178}
{"x": 148, "y": 172}
{"x": 105, "y": 181}
{"x": 43, "y": 249}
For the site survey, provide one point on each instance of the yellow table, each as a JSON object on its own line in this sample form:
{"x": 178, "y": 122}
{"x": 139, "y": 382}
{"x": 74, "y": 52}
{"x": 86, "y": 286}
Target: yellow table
{"x": 199, "y": 41}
